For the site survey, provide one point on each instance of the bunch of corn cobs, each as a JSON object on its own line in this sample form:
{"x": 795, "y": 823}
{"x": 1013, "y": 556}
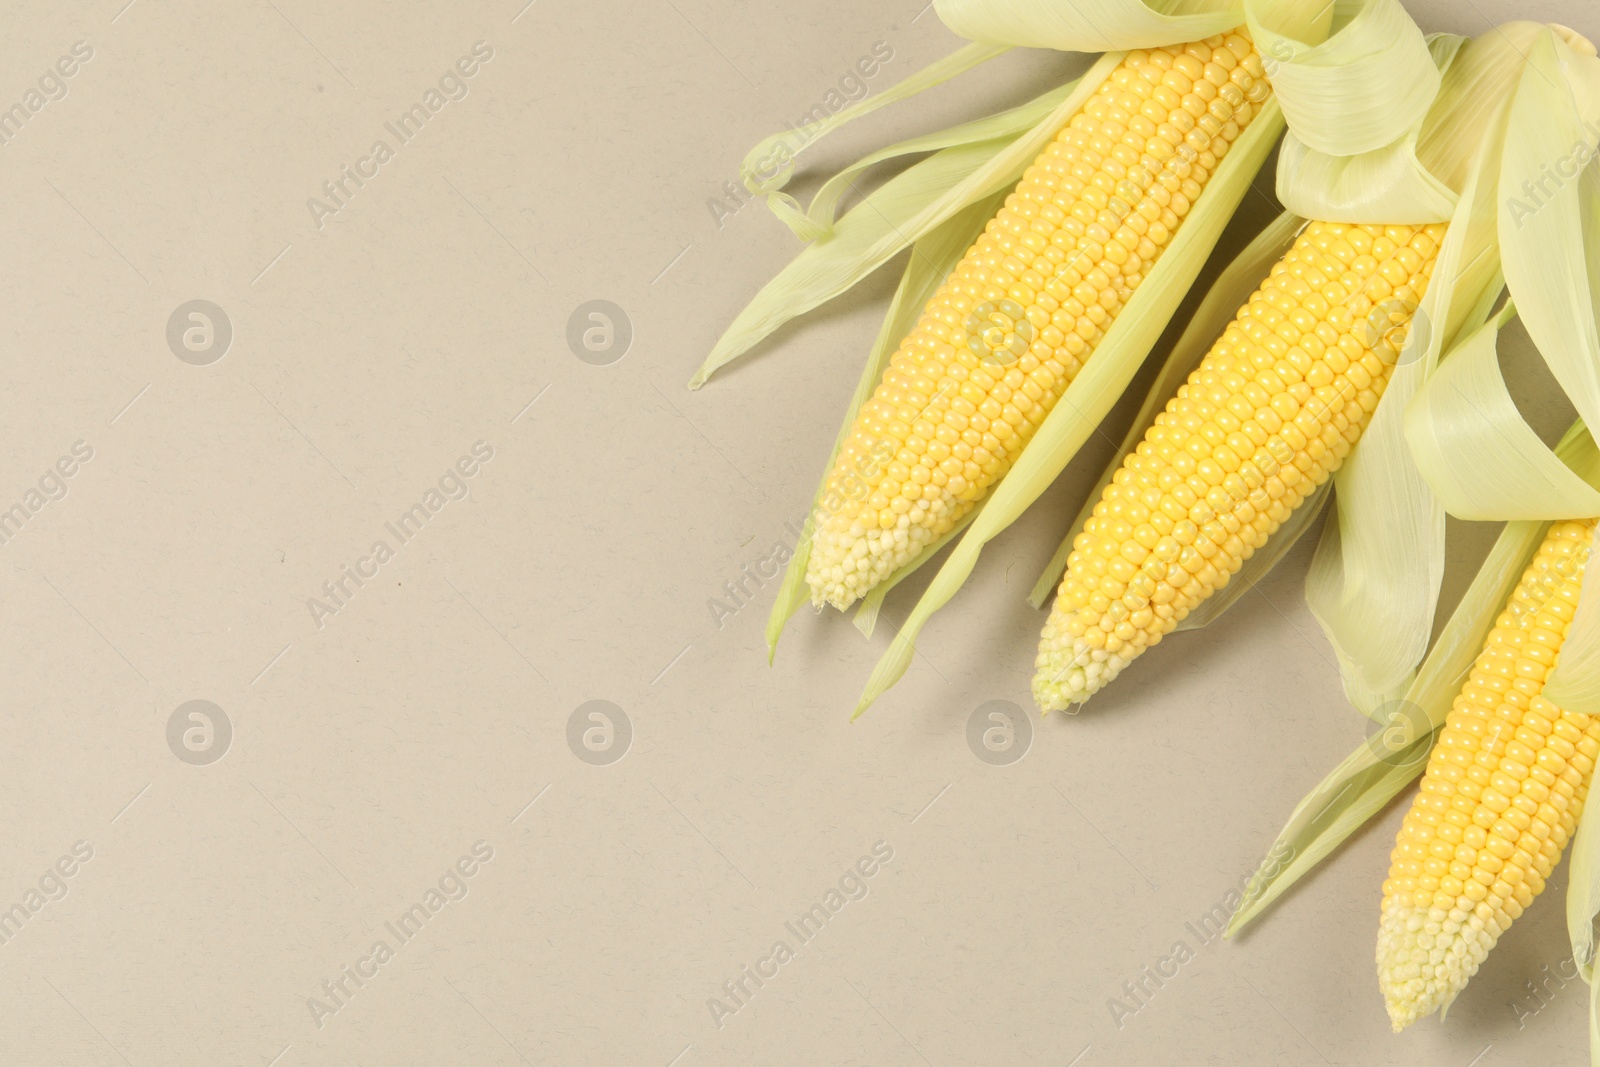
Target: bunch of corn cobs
{"x": 973, "y": 386}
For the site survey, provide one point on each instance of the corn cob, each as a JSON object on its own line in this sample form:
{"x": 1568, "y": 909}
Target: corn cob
{"x": 1000, "y": 341}
{"x": 1501, "y": 794}
{"x": 1269, "y": 414}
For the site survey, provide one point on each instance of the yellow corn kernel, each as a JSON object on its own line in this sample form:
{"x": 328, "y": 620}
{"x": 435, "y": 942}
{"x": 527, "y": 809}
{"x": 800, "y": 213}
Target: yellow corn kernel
{"x": 1435, "y": 933}
{"x": 1269, "y": 414}
{"x": 1015, "y": 321}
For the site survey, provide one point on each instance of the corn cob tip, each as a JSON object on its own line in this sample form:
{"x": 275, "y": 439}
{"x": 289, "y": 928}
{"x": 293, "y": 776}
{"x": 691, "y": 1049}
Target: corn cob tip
{"x": 1499, "y": 800}
{"x": 1061, "y": 682}
{"x": 1426, "y": 956}
{"x": 846, "y": 564}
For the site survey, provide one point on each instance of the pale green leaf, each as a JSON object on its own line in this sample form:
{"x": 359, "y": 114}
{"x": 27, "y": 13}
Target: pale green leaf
{"x": 768, "y": 166}
{"x": 1089, "y": 25}
{"x": 1382, "y": 552}
{"x": 1481, "y": 458}
{"x": 1478, "y": 81}
{"x": 1009, "y": 123}
{"x": 1371, "y": 776}
{"x": 1388, "y": 182}
{"x": 1385, "y": 183}
{"x": 1361, "y": 88}
{"x": 904, "y": 209}
{"x": 1547, "y": 227}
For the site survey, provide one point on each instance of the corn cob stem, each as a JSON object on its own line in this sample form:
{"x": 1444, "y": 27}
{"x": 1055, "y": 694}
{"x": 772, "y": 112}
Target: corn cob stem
{"x": 1001, "y": 340}
{"x": 1502, "y": 792}
{"x": 1270, "y": 413}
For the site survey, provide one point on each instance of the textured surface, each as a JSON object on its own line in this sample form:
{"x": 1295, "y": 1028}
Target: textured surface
{"x": 1268, "y": 415}
{"x": 1024, "y": 309}
{"x": 368, "y": 754}
{"x": 1500, "y": 797}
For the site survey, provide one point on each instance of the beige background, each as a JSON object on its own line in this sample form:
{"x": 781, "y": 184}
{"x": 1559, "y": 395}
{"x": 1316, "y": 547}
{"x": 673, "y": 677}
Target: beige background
{"x": 371, "y": 752}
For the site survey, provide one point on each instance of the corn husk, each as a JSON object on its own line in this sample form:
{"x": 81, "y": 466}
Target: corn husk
{"x": 1382, "y": 552}
{"x": 768, "y": 166}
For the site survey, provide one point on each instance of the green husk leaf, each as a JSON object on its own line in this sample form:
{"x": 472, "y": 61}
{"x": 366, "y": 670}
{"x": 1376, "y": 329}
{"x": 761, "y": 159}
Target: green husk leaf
{"x": 1097, "y": 387}
{"x": 1546, "y": 246}
{"x": 1382, "y": 555}
{"x": 1379, "y": 768}
{"x": 768, "y": 166}
{"x": 1481, "y": 458}
{"x": 1222, "y": 302}
{"x": 932, "y": 259}
{"x": 1089, "y": 25}
{"x": 1358, "y": 90}
{"x": 1015, "y": 120}
{"x": 1388, "y": 182}
{"x": 904, "y": 209}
